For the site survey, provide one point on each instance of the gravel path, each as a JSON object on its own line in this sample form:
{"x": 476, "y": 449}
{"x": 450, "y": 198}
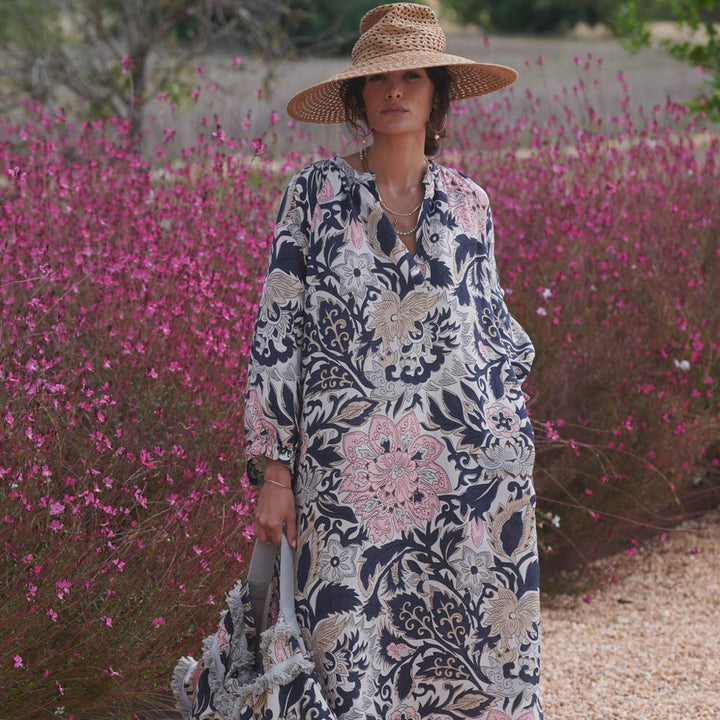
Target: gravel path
{"x": 646, "y": 646}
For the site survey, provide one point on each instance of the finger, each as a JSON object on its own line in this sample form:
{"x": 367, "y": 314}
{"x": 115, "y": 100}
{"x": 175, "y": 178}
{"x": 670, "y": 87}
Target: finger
{"x": 291, "y": 529}
{"x": 258, "y": 527}
{"x": 260, "y": 533}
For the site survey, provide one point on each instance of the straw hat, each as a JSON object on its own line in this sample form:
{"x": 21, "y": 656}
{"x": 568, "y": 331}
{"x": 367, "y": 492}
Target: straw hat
{"x": 398, "y": 36}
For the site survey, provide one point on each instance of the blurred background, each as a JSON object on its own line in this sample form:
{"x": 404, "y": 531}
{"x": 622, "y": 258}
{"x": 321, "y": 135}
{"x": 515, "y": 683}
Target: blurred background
{"x": 140, "y": 59}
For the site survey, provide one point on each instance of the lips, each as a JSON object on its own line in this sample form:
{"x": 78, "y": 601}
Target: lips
{"x": 394, "y": 110}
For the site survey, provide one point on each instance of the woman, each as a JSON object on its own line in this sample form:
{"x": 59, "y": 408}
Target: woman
{"x": 384, "y": 414}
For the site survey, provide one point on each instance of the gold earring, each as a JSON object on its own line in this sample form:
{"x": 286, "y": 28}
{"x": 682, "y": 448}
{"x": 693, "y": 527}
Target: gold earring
{"x": 359, "y": 134}
{"x": 437, "y": 132}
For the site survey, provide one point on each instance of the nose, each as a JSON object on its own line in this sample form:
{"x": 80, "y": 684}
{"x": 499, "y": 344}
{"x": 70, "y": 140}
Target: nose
{"x": 393, "y": 92}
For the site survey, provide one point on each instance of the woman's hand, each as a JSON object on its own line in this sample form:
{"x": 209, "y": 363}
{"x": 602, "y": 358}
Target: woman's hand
{"x": 275, "y": 505}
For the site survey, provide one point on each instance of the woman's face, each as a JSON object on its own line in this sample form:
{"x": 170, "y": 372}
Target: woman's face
{"x": 399, "y": 101}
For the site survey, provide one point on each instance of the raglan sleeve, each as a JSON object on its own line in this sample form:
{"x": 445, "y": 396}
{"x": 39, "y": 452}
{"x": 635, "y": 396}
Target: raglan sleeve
{"x": 273, "y": 396}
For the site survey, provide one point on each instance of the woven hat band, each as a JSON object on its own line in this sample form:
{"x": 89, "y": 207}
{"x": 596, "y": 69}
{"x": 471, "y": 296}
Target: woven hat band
{"x": 395, "y": 28}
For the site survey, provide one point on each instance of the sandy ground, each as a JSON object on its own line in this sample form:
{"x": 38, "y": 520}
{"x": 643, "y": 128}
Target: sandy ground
{"x": 644, "y": 647}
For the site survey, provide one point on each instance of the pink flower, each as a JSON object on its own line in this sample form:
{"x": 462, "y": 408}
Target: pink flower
{"x": 158, "y": 622}
{"x": 465, "y": 209}
{"x": 477, "y": 531}
{"x": 391, "y": 479}
{"x": 502, "y": 420}
{"x": 326, "y": 192}
{"x": 397, "y": 651}
{"x": 497, "y": 715}
{"x": 18, "y": 661}
{"x": 262, "y": 435}
{"x": 403, "y": 712}
{"x": 280, "y": 651}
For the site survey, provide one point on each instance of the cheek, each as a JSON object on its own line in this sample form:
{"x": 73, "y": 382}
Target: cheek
{"x": 426, "y": 96}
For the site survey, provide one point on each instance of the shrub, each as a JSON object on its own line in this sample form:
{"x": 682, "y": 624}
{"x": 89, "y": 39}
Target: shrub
{"x": 529, "y": 16}
{"x": 701, "y": 50}
{"x": 321, "y": 27}
{"x": 126, "y": 301}
{"x": 608, "y": 244}
{"x": 127, "y": 297}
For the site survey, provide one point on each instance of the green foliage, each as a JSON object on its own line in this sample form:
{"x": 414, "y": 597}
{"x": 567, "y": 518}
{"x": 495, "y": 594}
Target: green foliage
{"x": 115, "y": 56}
{"x": 8, "y": 23}
{"x": 627, "y": 24}
{"x": 469, "y": 12}
{"x": 322, "y": 27}
{"x": 529, "y": 16}
{"x": 703, "y": 50}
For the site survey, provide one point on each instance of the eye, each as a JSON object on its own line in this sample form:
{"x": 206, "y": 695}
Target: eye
{"x": 375, "y": 78}
{"x": 412, "y": 74}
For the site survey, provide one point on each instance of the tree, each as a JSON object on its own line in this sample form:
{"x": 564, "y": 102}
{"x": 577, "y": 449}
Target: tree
{"x": 325, "y": 26}
{"x": 116, "y": 54}
{"x": 699, "y": 16}
{"x": 529, "y": 16}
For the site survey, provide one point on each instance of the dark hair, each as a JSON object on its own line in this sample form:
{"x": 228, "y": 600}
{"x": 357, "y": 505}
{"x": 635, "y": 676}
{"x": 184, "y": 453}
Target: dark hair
{"x": 442, "y": 80}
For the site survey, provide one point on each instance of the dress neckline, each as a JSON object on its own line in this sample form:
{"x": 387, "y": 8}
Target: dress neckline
{"x": 398, "y": 252}
{"x": 369, "y": 176}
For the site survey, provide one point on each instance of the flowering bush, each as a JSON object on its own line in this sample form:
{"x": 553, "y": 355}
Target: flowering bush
{"x": 126, "y": 300}
{"x": 127, "y": 297}
{"x": 608, "y": 243}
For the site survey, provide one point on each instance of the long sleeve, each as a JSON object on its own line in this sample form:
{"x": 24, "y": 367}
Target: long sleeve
{"x": 272, "y": 407}
{"x": 511, "y": 336}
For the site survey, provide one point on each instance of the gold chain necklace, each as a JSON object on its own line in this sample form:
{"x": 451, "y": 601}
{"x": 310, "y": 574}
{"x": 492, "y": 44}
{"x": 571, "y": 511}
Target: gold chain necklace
{"x": 402, "y": 233}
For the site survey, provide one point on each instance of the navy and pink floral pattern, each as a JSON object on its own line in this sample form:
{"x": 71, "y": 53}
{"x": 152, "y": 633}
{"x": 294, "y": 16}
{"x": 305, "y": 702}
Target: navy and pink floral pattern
{"x": 390, "y": 384}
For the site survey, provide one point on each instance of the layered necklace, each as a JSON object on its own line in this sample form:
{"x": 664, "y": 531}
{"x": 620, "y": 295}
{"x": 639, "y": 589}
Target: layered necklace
{"x": 384, "y": 205}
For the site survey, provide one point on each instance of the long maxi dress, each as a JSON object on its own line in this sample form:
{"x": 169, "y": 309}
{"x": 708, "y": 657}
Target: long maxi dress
{"x": 390, "y": 385}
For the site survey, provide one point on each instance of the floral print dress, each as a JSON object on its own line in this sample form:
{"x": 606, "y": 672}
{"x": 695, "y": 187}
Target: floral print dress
{"x": 390, "y": 384}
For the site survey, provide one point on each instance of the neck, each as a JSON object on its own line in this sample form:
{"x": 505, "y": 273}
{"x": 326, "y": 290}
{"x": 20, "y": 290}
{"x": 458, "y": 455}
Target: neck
{"x": 398, "y": 161}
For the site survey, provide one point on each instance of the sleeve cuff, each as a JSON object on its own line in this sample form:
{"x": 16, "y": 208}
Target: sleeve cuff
{"x": 256, "y": 464}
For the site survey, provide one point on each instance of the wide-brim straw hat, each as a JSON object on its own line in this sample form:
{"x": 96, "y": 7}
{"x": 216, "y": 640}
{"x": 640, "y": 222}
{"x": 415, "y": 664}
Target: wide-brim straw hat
{"x": 398, "y": 36}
